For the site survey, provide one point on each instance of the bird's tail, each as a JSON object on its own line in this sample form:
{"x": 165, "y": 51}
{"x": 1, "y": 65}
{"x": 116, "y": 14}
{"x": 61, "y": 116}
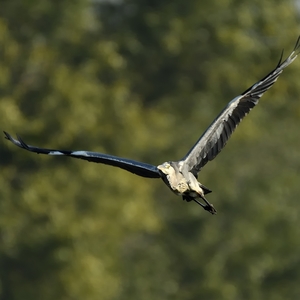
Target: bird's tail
{"x": 205, "y": 189}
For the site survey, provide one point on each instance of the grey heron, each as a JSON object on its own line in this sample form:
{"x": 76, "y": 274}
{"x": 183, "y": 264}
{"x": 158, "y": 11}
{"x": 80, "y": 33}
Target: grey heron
{"x": 182, "y": 176}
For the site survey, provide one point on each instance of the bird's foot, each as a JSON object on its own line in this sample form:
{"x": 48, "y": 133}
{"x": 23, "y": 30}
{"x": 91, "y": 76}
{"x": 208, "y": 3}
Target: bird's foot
{"x": 210, "y": 208}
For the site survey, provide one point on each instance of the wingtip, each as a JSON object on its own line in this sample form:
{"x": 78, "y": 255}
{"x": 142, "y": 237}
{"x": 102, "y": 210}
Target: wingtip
{"x": 18, "y": 142}
{"x": 280, "y": 59}
{"x": 7, "y": 136}
{"x": 297, "y": 45}
{"x": 292, "y": 56}
{"x": 22, "y": 143}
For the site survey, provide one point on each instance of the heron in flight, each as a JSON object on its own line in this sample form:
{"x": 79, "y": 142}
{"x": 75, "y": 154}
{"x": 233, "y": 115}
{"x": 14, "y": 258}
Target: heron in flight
{"x": 181, "y": 176}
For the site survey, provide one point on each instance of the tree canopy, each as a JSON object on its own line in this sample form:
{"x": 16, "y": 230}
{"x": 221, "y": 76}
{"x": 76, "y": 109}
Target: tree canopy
{"x": 143, "y": 80}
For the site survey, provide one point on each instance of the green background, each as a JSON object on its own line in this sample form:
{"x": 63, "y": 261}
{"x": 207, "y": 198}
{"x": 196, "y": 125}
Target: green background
{"x": 143, "y": 79}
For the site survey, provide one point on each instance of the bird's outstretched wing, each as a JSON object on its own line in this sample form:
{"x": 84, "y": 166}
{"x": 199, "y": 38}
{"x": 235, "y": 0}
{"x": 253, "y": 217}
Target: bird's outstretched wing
{"x": 217, "y": 134}
{"x": 138, "y": 168}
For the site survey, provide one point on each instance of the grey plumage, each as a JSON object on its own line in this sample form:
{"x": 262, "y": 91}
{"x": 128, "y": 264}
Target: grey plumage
{"x": 181, "y": 176}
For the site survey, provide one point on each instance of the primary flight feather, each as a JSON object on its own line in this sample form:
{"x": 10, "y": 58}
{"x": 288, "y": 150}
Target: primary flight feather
{"x": 181, "y": 176}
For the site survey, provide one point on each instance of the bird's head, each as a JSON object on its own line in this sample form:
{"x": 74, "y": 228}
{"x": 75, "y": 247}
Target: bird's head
{"x": 165, "y": 168}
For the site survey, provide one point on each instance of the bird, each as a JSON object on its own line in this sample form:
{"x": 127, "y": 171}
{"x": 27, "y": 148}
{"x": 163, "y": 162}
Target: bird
{"x": 182, "y": 176}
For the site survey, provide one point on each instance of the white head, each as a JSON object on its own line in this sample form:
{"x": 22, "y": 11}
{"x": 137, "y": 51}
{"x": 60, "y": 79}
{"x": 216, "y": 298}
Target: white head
{"x": 166, "y": 168}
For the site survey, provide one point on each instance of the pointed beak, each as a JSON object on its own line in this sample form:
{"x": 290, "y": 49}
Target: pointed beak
{"x": 162, "y": 168}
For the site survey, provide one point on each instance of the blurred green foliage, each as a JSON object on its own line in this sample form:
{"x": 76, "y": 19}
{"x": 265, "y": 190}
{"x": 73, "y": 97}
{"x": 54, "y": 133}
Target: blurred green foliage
{"x": 143, "y": 79}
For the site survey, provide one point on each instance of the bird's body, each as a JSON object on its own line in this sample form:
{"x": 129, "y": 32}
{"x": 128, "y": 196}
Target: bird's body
{"x": 181, "y": 176}
{"x": 184, "y": 184}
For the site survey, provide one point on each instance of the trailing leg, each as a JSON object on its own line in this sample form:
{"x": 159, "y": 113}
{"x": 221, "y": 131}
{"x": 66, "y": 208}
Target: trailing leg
{"x": 209, "y": 207}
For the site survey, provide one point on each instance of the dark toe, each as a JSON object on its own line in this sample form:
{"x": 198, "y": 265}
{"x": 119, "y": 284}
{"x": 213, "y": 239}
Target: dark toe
{"x": 210, "y": 208}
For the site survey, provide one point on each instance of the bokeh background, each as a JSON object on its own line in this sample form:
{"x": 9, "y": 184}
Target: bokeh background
{"x": 143, "y": 79}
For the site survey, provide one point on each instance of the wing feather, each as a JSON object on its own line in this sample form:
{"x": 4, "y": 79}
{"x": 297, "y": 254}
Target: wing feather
{"x": 217, "y": 134}
{"x": 138, "y": 168}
